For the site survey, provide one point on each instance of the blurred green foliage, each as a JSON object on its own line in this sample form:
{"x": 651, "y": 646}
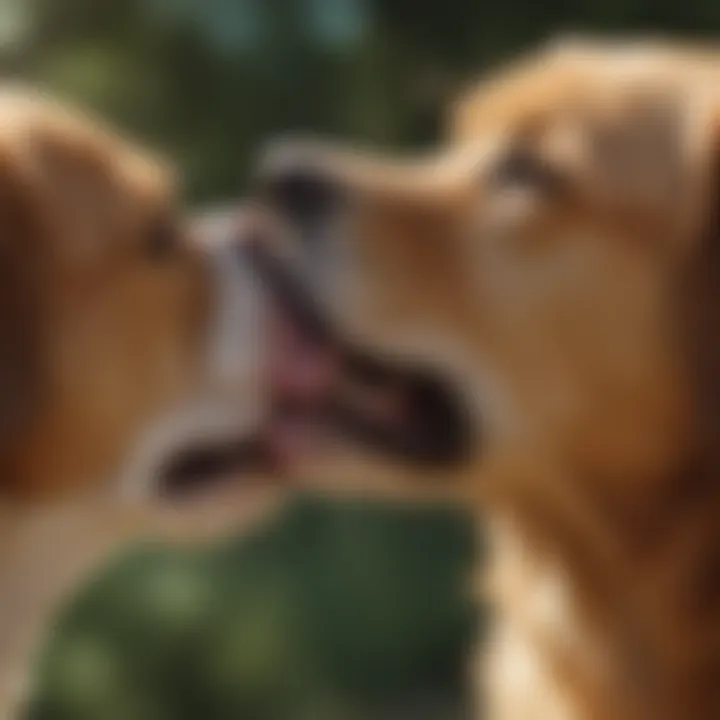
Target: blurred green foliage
{"x": 210, "y": 80}
{"x": 339, "y": 610}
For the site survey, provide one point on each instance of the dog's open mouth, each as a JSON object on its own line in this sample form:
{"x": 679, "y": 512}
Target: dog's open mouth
{"x": 322, "y": 388}
{"x": 320, "y": 381}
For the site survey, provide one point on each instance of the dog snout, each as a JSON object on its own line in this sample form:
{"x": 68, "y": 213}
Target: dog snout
{"x": 297, "y": 182}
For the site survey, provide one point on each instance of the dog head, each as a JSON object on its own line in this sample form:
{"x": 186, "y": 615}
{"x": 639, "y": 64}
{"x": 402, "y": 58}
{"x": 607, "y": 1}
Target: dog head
{"x": 125, "y": 328}
{"x": 544, "y": 259}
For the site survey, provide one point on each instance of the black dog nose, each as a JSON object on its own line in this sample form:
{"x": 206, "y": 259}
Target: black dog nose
{"x": 304, "y": 195}
{"x": 298, "y": 186}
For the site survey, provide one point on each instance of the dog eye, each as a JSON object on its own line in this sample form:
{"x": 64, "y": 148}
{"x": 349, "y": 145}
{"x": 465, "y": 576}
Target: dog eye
{"x": 162, "y": 240}
{"x": 526, "y": 170}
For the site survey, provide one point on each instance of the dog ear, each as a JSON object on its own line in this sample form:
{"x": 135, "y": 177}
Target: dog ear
{"x": 700, "y": 308}
{"x": 18, "y": 352}
{"x": 20, "y": 281}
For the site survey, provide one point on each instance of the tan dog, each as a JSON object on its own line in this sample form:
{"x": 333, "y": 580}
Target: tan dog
{"x": 560, "y": 262}
{"x": 124, "y": 335}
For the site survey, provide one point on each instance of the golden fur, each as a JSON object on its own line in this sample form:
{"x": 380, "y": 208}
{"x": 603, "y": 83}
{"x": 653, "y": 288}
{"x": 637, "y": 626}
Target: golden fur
{"x": 107, "y": 317}
{"x": 96, "y": 333}
{"x": 560, "y": 257}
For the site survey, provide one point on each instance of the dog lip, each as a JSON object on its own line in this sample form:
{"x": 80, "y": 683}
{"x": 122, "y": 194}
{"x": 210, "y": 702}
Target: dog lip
{"x": 198, "y": 468}
{"x": 287, "y": 291}
{"x": 427, "y": 424}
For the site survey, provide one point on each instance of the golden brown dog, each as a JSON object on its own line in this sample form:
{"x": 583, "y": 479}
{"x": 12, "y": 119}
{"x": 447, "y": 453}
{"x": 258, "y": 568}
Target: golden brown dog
{"x": 560, "y": 261}
{"x": 125, "y": 333}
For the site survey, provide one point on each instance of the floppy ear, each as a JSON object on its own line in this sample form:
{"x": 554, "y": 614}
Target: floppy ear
{"x": 20, "y": 280}
{"x": 700, "y": 307}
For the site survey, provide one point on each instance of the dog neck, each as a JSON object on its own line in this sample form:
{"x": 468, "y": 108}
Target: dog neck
{"x": 609, "y": 600}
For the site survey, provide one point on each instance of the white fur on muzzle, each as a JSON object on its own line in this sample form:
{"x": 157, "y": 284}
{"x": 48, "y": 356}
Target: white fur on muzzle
{"x": 231, "y": 401}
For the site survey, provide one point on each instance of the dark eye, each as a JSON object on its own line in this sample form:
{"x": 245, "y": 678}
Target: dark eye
{"x": 522, "y": 168}
{"x": 162, "y": 240}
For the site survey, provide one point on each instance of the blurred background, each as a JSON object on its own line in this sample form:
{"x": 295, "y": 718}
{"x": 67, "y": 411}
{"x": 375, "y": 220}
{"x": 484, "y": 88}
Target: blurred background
{"x": 336, "y": 611}
{"x": 340, "y": 610}
{"x": 207, "y": 80}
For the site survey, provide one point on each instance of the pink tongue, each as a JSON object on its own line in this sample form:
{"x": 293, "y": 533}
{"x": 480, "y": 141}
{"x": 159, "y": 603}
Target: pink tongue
{"x": 303, "y": 375}
{"x": 300, "y": 370}
{"x": 292, "y": 443}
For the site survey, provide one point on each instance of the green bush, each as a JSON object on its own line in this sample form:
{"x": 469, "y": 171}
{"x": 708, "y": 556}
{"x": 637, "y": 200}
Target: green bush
{"x": 340, "y": 610}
